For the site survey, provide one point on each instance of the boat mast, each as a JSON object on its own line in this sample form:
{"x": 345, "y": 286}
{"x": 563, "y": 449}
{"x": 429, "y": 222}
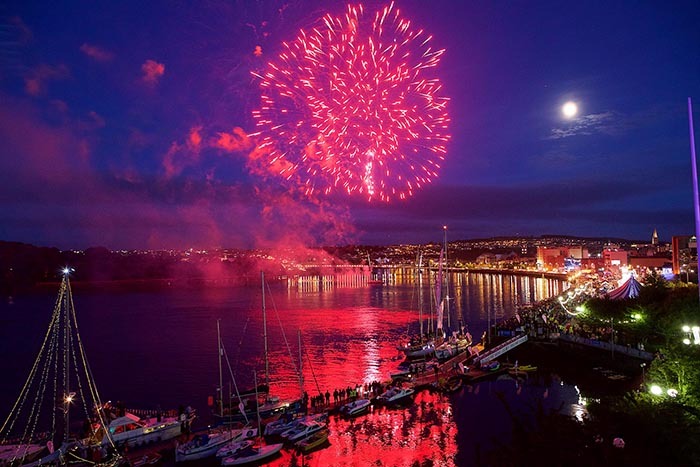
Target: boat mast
{"x": 221, "y": 379}
{"x": 420, "y": 292}
{"x": 447, "y": 281}
{"x": 264, "y": 313}
{"x": 257, "y": 403}
{"x": 67, "y": 397}
{"x": 301, "y": 366}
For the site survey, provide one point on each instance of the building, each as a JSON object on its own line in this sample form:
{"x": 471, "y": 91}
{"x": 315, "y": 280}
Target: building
{"x": 684, "y": 252}
{"x": 615, "y": 258}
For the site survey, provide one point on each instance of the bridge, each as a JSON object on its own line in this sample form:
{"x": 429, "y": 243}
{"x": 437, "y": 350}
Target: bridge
{"x": 500, "y": 349}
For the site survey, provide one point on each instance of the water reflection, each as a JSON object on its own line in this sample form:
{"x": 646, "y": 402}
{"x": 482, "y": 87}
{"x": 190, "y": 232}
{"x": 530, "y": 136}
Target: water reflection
{"x": 425, "y": 431}
{"x": 349, "y": 332}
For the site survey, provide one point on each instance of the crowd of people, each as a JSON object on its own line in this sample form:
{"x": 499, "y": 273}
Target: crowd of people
{"x": 327, "y": 400}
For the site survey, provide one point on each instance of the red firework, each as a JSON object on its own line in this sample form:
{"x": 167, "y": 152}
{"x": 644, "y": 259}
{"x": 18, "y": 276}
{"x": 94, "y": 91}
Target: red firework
{"x": 354, "y": 105}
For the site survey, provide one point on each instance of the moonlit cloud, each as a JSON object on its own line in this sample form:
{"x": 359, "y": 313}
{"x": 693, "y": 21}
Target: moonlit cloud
{"x": 152, "y": 72}
{"x": 603, "y": 123}
{"x": 96, "y": 53}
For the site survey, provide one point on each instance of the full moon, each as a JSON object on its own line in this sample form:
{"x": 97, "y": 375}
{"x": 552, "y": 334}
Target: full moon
{"x": 570, "y": 109}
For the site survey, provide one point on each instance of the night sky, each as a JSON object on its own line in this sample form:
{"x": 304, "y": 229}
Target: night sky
{"x": 124, "y": 124}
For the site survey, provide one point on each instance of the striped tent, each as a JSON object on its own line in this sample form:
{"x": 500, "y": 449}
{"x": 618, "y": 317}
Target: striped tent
{"x": 630, "y": 289}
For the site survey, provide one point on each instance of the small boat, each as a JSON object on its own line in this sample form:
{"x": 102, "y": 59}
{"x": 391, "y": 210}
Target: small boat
{"x": 355, "y": 408}
{"x": 252, "y": 453}
{"x": 452, "y": 385}
{"x": 135, "y": 431}
{"x": 522, "y": 370}
{"x": 493, "y": 365}
{"x": 302, "y": 430}
{"x": 287, "y": 422}
{"x": 207, "y": 444}
{"x": 395, "y": 395}
{"x": 312, "y": 442}
{"x": 418, "y": 350}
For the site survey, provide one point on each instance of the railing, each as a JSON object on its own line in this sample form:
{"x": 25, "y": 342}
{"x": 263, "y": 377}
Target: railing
{"x": 501, "y": 349}
{"x": 629, "y": 351}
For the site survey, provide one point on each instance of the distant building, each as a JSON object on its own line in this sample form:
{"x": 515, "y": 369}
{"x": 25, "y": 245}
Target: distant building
{"x": 615, "y": 258}
{"x": 684, "y": 252}
{"x": 655, "y": 238}
{"x": 650, "y": 262}
{"x": 560, "y": 257}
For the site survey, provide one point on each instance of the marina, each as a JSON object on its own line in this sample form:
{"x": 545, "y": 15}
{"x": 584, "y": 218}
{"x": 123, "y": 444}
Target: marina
{"x": 367, "y": 379}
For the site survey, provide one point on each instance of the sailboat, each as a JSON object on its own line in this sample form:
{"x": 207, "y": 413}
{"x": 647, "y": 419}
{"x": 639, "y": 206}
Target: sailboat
{"x": 247, "y": 405}
{"x": 216, "y": 440}
{"x": 419, "y": 346}
{"x": 40, "y": 429}
{"x": 459, "y": 341}
{"x": 249, "y": 453}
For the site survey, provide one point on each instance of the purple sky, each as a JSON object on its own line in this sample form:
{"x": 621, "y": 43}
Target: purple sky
{"x": 123, "y": 124}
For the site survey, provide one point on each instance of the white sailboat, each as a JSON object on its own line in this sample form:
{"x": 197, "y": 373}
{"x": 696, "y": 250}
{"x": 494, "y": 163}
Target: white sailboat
{"x": 220, "y": 440}
{"x": 32, "y": 433}
{"x": 249, "y": 453}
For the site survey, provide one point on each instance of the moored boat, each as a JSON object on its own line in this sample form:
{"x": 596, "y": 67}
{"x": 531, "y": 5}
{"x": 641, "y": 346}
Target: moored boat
{"x": 134, "y": 431}
{"x": 207, "y": 444}
{"x": 286, "y": 423}
{"x": 395, "y": 395}
{"x": 418, "y": 349}
{"x": 452, "y": 385}
{"x": 302, "y": 430}
{"x": 243, "y": 407}
{"x": 251, "y": 453}
{"x": 355, "y": 408}
{"x": 314, "y": 441}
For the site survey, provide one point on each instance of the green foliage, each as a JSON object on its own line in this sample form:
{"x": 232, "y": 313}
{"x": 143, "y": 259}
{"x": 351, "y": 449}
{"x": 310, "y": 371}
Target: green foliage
{"x": 678, "y": 367}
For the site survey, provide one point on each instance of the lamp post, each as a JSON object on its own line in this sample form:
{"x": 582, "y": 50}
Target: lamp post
{"x": 696, "y": 201}
{"x": 612, "y": 338}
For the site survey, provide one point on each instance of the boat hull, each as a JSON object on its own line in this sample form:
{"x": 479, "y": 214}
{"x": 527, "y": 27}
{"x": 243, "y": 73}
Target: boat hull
{"x": 355, "y": 408}
{"x": 253, "y": 454}
{"x": 314, "y": 441}
{"x": 149, "y": 434}
{"x": 192, "y": 451}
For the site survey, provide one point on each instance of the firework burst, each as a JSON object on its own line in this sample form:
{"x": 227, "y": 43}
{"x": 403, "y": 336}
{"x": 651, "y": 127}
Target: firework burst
{"x": 353, "y": 104}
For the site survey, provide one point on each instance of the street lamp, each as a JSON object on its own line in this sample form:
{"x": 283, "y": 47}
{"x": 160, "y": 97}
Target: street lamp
{"x": 691, "y": 331}
{"x": 657, "y": 390}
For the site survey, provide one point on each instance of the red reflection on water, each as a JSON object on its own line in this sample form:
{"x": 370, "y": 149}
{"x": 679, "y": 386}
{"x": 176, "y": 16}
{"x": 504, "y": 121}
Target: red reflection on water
{"x": 346, "y": 348}
{"x": 423, "y": 431}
